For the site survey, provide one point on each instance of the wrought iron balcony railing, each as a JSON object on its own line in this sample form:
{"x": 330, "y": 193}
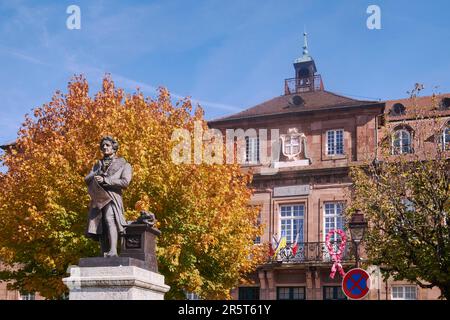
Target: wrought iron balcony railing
{"x": 313, "y": 252}
{"x": 298, "y": 85}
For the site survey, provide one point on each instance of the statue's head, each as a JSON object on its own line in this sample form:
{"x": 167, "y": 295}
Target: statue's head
{"x": 108, "y": 145}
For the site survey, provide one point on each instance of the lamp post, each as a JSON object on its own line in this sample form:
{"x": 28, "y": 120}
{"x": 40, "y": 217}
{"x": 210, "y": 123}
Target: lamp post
{"x": 357, "y": 226}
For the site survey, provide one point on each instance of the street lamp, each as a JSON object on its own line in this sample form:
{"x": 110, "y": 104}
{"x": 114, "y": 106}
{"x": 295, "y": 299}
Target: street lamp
{"x": 357, "y": 226}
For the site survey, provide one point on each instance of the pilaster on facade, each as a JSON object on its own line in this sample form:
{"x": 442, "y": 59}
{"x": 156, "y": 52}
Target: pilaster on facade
{"x": 263, "y": 293}
{"x": 272, "y": 290}
{"x": 309, "y": 284}
{"x": 317, "y": 285}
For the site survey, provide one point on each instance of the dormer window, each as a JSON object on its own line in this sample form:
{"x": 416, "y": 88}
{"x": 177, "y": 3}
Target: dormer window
{"x": 398, "y": 109}
{"x": 445, "y": 103}
{"x": 402, "y": 141}
{"x": 297, "y": 101}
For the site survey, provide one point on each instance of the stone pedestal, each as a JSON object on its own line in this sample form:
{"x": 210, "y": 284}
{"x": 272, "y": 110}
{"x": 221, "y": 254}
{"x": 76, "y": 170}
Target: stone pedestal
{"x": 117, "y": 278}
{"x": 139, "y": 242}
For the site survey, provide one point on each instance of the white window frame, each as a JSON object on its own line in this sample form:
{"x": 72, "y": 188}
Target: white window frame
{"x": 333, "y": 145}
{"x": 27, "y": 296}
{"x": 252, "y": 150}
{"x": 290, "y": 235}
{"x": 192, "y": 296}
{"x": 446, "y": 138}
{"x": 396, "y": 150}
{"x": 257, "y": 239}
{"x": 403, "y": 292}
{"x": 335, "y": 215}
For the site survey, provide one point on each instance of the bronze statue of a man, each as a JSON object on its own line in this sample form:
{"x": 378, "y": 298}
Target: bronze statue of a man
{"x": 107, "y": 179}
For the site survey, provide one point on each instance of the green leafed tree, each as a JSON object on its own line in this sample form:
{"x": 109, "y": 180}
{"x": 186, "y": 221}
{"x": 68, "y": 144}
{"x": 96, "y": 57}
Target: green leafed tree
{"x": 406, "y": 198}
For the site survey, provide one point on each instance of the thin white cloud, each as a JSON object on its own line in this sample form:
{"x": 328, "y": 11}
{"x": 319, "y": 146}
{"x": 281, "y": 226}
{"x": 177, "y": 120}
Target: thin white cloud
{"x": 107, "y": 21}
{"x": 23, "y": 56}
{"x": 211, "y": 105}
{"x": 132, "y": 84}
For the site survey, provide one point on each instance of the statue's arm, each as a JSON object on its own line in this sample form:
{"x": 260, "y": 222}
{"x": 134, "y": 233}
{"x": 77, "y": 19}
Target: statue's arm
{"x": 91, "y": 174}
{"x": 124, "y": 180}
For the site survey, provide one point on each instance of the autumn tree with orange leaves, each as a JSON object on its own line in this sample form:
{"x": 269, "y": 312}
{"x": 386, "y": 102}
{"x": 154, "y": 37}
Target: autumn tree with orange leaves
{"x": 207, "y": 227}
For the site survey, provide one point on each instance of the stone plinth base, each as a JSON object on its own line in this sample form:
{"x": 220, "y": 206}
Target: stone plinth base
{"x": 117, "y": 282}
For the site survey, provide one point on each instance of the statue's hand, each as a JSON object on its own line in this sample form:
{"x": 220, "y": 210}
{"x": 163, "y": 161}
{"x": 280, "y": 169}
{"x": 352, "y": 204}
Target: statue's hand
{"x": 99, "y": 179}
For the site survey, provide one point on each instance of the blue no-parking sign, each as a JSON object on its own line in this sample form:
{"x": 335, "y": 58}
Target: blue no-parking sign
{"x": 355, "y": 284}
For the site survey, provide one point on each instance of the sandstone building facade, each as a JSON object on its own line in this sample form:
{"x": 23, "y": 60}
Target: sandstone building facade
{"x": 304, "y": 188}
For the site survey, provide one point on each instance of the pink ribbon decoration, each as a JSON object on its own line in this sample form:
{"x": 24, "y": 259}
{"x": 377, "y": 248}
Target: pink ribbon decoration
{"x": 336, "y": 255}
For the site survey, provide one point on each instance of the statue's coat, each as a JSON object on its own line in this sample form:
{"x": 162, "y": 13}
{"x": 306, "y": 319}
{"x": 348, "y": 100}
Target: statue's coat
{"x": 117, "y": 177}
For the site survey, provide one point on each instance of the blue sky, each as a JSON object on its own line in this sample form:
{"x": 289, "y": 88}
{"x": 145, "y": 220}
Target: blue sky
{"x": 226, "y": 55}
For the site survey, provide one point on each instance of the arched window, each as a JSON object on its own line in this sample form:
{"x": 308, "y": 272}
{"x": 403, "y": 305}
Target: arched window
{"x": 303, "y": 73}
{"x": 401, "y": 142}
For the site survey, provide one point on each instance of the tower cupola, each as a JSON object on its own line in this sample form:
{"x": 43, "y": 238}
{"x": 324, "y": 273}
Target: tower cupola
{"x": 306, "y": 78}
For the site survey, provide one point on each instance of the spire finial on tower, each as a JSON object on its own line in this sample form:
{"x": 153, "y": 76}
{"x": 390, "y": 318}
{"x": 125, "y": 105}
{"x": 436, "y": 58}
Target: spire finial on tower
{"x": 305, "y": 44}
{"x": 305, "y": 56}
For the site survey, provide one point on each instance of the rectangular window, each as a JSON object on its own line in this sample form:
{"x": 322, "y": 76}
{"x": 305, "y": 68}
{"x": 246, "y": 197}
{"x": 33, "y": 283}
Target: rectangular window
{"x": 404, "y": 293}
{"x": 192, "y": 296}
{"x": 27, "y": 296}
{"x": 335, "y": 142}
{"x": 291, "y": 222}
{"x": 252, "y": 150}
{"x": 248, "y": 293}
{"x": 333, "y": 218}
{"x": 333, "y": 293}
{"x": 258, "y": 223}
{"x": 291, "y": 293}
{"x": 446, "y": 139}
